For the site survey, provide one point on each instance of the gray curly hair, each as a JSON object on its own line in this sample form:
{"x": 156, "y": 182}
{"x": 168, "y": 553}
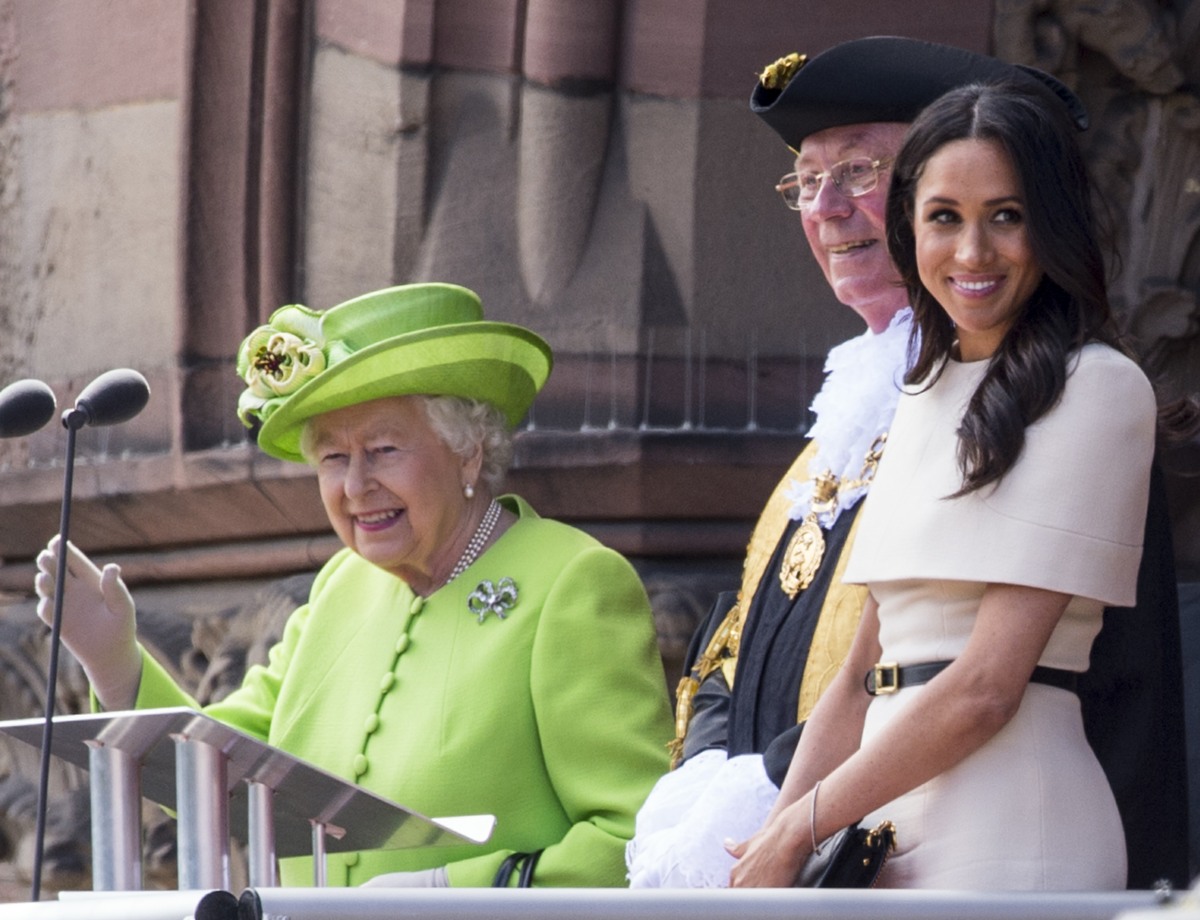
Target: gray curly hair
{"x": 464, "y": 424}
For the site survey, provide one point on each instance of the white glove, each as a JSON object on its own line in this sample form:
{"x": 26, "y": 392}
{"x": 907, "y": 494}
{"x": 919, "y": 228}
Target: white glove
{"x": 420, "y": 878}
{"x": 98, "y": 622}
{"x": 684, "y": 823}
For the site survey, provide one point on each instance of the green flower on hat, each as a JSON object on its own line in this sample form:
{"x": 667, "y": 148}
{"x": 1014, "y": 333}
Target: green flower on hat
{"x": 779, "y": 74}
{"x": 277, "y": 359}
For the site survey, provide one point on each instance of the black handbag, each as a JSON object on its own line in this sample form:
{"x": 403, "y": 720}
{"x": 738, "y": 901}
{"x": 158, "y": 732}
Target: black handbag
{"x": 851, "y": 858}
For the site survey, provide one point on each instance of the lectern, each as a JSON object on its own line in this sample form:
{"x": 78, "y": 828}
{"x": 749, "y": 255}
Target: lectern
{"x": 220, "y": 781}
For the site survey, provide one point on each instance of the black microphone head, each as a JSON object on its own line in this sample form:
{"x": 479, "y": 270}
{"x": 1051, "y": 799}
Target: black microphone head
{"x": 115, "y": 396}
{"x": 25, "y": 406}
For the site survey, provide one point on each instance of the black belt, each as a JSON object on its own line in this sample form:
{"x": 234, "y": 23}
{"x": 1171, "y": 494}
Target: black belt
{"x": 888, "y": 677}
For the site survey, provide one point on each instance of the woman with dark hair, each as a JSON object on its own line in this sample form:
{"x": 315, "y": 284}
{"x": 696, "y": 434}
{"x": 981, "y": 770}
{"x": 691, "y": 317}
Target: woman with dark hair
{"x": 1059, "y": 227}
{"x": 1006, "y": 513}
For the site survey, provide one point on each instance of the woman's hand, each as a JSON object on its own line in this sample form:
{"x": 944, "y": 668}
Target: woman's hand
{"x": 772, "y": 858}
{"x": 98, "y": 622}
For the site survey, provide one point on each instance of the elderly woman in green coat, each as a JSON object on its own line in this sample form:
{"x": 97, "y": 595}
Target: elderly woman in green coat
{"x": 460, "y": 655}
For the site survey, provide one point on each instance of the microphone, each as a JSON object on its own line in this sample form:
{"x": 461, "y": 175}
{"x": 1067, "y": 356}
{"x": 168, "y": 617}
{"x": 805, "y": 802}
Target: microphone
{"x": 25, "y": 406}
{"x": 115, "y": 396}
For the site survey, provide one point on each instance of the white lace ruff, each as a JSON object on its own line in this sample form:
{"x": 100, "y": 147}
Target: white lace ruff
{"x": 679, "y": 840}
{"x": 854, "y": 406}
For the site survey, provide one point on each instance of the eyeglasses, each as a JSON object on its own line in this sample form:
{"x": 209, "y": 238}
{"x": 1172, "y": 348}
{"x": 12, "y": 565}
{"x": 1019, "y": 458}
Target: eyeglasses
{"x": 853, "y": 178}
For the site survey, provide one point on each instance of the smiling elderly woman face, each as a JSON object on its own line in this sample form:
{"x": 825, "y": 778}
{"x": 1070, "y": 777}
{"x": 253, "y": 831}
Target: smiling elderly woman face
{"x": 402, "y": 479}
{"x": 408, "y": 479}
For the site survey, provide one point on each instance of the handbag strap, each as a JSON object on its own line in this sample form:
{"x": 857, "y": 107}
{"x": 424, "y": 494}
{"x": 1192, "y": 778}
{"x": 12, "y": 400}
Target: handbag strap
{"x": 523, "y": 864}
{"x": 525, "y": 879}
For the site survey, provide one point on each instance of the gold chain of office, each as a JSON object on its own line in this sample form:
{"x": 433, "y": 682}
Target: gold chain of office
{"x": 806, "y": 549}
{"x": 800, "y": 562}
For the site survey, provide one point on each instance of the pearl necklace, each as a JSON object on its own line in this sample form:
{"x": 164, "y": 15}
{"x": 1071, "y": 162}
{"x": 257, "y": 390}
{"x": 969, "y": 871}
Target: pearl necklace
{"x": 482, "y": 533}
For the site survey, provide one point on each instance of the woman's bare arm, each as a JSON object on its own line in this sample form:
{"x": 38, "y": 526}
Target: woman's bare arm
{"x": 957, "y": 713}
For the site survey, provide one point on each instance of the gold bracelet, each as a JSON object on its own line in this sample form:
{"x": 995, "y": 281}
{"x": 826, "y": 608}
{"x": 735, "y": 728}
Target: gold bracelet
{"x": 812, "y": 820}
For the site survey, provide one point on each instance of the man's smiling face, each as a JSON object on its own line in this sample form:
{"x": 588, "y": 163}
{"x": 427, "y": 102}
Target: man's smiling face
{"x": 847, "y": 234}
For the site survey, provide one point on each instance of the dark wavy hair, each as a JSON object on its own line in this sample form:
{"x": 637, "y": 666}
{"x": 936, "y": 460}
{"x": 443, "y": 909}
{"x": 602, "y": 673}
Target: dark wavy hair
{"x": 1069, "y": 308}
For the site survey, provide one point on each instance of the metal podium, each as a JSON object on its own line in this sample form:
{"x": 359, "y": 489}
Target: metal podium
{"x": 220, "y": 781}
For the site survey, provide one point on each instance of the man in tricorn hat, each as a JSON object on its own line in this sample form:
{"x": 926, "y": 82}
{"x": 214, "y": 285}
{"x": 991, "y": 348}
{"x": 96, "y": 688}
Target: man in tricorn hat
{"x": 758, "y": 664}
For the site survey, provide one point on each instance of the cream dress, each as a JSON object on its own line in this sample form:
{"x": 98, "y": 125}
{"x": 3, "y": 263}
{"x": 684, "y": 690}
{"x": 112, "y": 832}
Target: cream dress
{"x": 1031, "y": 809}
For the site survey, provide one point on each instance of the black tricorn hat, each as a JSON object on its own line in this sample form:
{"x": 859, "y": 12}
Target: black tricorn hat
{"x": 882, "y": 78}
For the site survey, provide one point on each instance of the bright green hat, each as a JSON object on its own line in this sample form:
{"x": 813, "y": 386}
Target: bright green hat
{"x": 416, "y": 339}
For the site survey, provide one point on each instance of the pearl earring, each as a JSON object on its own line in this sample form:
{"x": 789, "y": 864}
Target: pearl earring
{"x": 469, "y": 490}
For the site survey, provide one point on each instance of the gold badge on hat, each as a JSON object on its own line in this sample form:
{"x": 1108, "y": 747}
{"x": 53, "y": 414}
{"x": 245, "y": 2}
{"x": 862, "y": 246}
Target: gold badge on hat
{"x": 780, "y": 73}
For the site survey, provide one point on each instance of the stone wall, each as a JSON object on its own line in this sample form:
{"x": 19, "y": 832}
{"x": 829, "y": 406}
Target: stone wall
{"x": 172, "y": 172}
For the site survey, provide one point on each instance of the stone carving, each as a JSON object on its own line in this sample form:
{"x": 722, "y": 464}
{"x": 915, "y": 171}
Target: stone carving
{"x": 1127, "y": 60}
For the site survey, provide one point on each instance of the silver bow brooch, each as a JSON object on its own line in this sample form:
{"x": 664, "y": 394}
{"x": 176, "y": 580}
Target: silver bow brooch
{"x": 496, "y": 598}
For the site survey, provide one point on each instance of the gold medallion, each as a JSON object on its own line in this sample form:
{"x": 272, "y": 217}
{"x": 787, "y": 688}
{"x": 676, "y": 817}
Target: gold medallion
{"x": 802, "y": 557}
{"x": 806, "y": 549}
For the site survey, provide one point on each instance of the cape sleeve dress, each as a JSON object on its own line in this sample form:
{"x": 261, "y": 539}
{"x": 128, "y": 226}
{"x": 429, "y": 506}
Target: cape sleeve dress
{"x": 1031, "y": 809}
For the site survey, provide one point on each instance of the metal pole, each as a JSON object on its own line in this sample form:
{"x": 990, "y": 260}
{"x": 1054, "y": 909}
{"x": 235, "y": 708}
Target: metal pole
{"x": 202, "y": 799}
{"x": 112, "y": 905}
{"x": 116, "y": 801}
{"x": 318, "y": 848}
{"x": 260, "y": 820}
{"x": 60, "y": 581}
{"x": 693, "y": 904}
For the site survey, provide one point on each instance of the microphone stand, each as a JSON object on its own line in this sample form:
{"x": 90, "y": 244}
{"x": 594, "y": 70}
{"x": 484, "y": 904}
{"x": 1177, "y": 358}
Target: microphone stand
{"x": 73, "y": 420}
{"x": 114, "y": 396}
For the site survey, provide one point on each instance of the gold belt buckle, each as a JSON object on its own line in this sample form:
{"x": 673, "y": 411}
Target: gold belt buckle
{"x": 887, "y": 678}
